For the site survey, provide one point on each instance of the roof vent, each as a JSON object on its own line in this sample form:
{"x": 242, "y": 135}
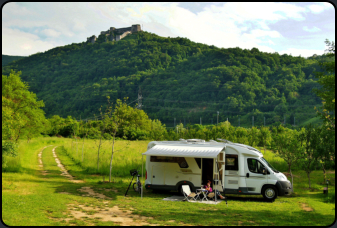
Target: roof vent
{"x": 224, "y": 140}
{"x": 195, "y": 140}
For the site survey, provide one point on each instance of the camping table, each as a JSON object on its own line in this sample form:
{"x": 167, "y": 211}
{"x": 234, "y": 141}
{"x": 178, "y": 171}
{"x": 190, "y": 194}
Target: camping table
{"x": 204, "y": 193}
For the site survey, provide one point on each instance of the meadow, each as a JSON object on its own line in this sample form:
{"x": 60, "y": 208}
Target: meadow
{"x": 41, "y": 196}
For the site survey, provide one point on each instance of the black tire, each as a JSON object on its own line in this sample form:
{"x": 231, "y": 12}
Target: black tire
{"x": 139, "y": 188}
{"x": 269, "y": 193}
{"x": 135, "y": 187}
{"x": 181, "y": 190}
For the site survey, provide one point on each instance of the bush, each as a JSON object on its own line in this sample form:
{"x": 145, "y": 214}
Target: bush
{"x": 8, "y": 149}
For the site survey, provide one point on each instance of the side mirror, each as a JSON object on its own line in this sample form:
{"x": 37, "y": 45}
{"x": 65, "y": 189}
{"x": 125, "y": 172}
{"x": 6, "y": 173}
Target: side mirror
{"x": 264, "y": 171}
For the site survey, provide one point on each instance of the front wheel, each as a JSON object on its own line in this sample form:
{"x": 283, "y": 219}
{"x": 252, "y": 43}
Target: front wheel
{"x": 269, "y": 193}
{"x": 135, "y": 187}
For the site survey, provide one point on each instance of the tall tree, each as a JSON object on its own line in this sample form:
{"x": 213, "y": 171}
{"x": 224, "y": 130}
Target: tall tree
{"x": 22, "y": 113}
{"x": 327, "y": 79}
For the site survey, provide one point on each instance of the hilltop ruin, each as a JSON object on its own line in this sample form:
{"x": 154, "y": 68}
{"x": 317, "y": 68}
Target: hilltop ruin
{"x": 114, "y": 34}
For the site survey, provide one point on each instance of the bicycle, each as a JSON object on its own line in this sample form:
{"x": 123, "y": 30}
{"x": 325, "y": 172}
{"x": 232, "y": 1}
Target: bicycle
{"x": 137, "y": 186}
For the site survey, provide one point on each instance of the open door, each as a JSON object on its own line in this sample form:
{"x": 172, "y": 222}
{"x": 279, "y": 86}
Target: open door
{"x": 207, "y": 170}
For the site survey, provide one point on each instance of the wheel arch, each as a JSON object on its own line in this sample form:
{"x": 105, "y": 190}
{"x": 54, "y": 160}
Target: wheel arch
{"x": 185, "y": 182}
{"x": 266, "y": 185}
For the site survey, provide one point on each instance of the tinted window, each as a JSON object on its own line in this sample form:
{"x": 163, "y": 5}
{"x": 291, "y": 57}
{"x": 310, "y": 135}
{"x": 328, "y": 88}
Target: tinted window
{"x": 232, "y": 162}
{"x": 198, "y": 160}
{"x": 254, "y": 165}
{"x": 180, "y": 160}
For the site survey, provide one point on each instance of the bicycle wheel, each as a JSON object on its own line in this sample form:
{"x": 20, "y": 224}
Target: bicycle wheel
{"x": 139, "y": 188}
{"x": 135, "y": 187}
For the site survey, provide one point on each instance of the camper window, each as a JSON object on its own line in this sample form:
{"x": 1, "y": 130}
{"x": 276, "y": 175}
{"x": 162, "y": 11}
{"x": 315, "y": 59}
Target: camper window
{"x": 255, "y": 166}
{"x": 180, "y": 160}
{"x": 198, "y": 161}
{"x": 232, "y": 162}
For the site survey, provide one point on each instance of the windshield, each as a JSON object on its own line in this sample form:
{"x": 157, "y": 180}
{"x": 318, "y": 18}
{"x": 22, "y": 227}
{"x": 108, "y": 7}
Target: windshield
{"x": 270, "y": 166}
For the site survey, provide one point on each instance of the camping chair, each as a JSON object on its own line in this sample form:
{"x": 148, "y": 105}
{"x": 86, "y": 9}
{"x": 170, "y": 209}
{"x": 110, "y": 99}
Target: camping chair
{"x": 211, "y": 195}
{"x": 188, "y": 194}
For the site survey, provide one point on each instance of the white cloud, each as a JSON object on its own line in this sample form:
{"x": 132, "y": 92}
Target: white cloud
{"x": 16, "y": 42}
{"x": 316, "y": 9}
{"x": 314, "y": 29}
{"x": 51, "y": 32}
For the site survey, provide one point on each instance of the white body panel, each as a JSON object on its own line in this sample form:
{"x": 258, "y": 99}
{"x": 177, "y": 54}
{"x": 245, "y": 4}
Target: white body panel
{"x": 170, "y": 175}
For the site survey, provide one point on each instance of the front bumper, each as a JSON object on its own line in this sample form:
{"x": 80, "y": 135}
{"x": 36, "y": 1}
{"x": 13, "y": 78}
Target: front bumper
{"x": 284, "y": 188}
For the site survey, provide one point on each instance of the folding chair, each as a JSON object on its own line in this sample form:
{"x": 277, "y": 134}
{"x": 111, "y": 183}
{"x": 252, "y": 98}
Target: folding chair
{"x": 188, "y": 194}
{"x": 211, "y": 195}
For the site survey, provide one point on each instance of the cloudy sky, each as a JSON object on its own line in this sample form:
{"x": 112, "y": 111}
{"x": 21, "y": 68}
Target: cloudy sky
{"x": 291, "y": 28}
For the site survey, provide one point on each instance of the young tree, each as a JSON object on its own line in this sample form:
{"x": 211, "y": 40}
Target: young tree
{"x": 253, "y": 136}
{"x": 264, "y": 137}
{"x": 325, "y": 148}
{"x": 158, "y": 130}
{"x": 102, "y": 126}
{"x": 309, "y": 139}
{"x": 116, "y": 119}
{"x": 286, "y": 145}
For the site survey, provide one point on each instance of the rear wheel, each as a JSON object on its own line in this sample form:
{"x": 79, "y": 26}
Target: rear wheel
{"x": 139, "y": 188}
{"x": 181, "y": 190}
{"x": 135, "y": 187}
{"x": 269, "y": 192}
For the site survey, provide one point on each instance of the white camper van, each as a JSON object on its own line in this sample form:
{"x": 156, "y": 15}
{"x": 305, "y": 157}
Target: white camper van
{"x": 233, "y": 168}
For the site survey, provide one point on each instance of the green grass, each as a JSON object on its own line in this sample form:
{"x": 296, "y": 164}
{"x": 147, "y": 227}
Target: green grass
{"x": 314, "y": 121}
{"x": 127, "y": 156}
{"x": 32, "y": 199}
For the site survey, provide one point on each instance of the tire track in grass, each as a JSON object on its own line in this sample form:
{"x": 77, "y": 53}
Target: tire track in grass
{"x": 63, "y": 170}
{"x": 44, "y": 172}
{"x": 115, "y": 214}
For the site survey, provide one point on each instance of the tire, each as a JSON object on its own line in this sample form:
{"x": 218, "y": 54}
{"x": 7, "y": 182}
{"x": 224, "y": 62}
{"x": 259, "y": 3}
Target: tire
{"x": 269, "y": 193}
{"x": 135, "y": 186}
{"x": 181, "y": 190}
{"x": 139, "y": 188}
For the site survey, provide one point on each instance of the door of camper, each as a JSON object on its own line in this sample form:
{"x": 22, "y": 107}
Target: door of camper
{"x": 231, "y": 172}
{"x": 207, "y": 166}
{"x": 158, "y": 176}
{"x": 254, "y": 175}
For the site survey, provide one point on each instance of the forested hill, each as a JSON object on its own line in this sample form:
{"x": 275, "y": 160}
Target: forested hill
{"x": 178, "y": 79}
{"x": 6, "y": 59}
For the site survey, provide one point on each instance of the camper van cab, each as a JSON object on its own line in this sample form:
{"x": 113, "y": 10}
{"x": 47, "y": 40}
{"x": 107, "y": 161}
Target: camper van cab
{"x": 233, "y": 168}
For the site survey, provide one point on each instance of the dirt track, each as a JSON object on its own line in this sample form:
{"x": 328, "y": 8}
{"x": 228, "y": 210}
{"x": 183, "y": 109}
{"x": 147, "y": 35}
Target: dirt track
{"x": 81, "y": 212}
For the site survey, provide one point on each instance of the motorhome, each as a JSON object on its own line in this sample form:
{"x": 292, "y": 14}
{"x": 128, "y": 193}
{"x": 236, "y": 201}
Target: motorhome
{"x": 233, "y": 168}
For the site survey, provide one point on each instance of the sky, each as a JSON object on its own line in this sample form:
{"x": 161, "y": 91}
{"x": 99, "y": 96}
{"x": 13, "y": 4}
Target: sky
{"x": 293, "y": 28}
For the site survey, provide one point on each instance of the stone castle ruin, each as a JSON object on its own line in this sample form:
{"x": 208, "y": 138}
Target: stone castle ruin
{"x": 114, "y": 34}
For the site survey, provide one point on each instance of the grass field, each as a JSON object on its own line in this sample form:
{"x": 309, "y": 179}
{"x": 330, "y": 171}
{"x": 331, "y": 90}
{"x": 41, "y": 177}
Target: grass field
{"x": 31, "y": 197}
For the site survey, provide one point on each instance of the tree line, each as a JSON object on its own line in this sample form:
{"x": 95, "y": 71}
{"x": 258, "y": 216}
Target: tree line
{"x": 178, "y": 77}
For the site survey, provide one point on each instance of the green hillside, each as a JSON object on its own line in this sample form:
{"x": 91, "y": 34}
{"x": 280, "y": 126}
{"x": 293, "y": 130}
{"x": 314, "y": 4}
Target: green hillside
{"x": 6, "y": 59}
{"x": 178, "y": 79}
